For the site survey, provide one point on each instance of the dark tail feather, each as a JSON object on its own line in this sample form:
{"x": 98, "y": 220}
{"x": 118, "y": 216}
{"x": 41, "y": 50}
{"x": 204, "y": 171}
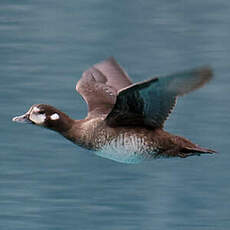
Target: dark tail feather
{"x": 191, "y": 151}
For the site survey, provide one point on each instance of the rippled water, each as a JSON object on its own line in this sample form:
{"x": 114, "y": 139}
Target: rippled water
{"x": 48, "y": 183}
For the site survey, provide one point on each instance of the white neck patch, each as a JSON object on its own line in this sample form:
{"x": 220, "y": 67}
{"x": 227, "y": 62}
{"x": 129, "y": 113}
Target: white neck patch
{"x": 54, "y": 117}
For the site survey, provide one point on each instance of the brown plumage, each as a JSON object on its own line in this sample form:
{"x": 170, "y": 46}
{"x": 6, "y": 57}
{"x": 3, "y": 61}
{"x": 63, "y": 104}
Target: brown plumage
{"x": 125, "y": 121}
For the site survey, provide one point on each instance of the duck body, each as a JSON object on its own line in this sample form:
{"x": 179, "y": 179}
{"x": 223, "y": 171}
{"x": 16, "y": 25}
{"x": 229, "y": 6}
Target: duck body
{"x": 130, "y": 144}
{"x": 125, "y": 121}
{"x": 122, "y": 144}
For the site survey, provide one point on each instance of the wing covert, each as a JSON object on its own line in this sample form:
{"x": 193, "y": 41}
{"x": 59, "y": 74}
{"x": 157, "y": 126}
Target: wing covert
{"x": 99, "y": 85}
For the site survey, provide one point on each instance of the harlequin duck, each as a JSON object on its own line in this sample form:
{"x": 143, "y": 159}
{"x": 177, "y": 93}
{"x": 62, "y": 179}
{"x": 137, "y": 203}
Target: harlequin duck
{"x": 125, "y": 121}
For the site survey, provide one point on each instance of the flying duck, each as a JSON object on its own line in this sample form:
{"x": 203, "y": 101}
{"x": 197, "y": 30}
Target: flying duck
{"x": 125, "y": 120}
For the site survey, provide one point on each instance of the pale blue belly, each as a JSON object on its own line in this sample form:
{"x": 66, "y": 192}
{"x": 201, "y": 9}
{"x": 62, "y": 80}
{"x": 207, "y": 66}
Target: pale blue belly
{"x": 127, "y": 149}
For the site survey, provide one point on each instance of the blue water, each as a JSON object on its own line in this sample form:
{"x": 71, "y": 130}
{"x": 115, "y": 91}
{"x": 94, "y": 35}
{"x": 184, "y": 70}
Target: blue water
{"x": 47, "y": 182}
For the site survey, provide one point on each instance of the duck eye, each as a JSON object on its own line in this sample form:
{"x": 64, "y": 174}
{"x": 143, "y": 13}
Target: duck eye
{"x": 41, "y": 112}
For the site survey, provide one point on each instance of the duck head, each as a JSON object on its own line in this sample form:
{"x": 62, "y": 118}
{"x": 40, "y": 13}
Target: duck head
{"x": 45, "y": 116}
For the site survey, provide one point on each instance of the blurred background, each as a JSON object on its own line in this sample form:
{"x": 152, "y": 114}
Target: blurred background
{"x": 47, "y": 182}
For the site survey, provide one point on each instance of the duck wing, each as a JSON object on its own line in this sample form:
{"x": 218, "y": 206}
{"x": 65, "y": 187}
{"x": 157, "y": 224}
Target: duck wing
{"x": 149, "y": 103}
{"x": 99, "y": 86}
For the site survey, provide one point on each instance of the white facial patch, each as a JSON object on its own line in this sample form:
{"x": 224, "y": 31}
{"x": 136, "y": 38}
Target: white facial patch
{"x": 38, "y": 118}
{"x": 36, "y": 109}
{"x": 54, "y": 117}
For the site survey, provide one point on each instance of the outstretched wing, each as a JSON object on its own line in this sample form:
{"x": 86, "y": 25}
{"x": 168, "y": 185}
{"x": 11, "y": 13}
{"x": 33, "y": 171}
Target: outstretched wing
{"x": 99, "y": 86}
{"x": 150, "y": 102}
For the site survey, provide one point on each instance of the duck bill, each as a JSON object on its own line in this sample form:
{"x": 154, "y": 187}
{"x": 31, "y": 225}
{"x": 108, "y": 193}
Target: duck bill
{"x": 22, "y": 119}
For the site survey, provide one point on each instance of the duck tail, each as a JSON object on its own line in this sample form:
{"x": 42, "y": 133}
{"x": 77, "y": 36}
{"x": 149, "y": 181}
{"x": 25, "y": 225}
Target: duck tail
{"x": 197, "y": 150}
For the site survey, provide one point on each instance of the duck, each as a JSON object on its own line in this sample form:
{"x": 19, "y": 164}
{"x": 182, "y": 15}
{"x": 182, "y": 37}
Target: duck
{"x": 125, "y": 120}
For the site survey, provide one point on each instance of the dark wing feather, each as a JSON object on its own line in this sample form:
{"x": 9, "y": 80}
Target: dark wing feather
{"x": 149, "y": 103}
{"x": 99, "y": 85}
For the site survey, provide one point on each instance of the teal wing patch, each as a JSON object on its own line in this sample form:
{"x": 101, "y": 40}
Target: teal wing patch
{"x": 149, "y": 103}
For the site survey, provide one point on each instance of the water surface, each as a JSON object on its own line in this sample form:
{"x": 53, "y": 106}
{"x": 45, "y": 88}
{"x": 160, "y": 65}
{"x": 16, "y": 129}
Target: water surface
{"x": 48, "y": 183}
